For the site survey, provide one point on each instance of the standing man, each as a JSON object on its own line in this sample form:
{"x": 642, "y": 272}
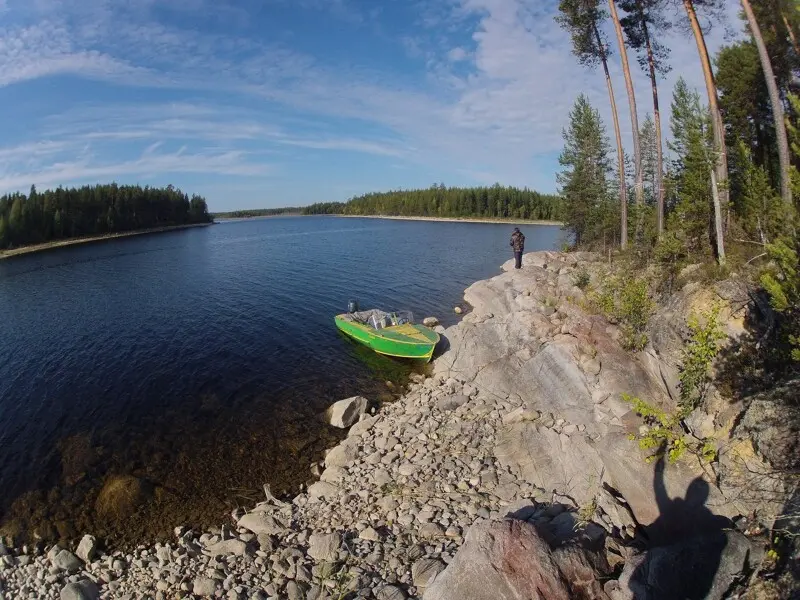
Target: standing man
{"x": 518, "y": 245}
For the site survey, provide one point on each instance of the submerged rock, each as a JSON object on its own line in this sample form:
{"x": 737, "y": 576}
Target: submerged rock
{"x": 122, "y": 495}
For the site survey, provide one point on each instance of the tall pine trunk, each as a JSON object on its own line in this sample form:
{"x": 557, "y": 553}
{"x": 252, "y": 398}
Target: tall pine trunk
{"x": 637, "y": 152}
{"x": 775, "y": 100}
{"x": 623, "y": 192}
{"x": 718, "y": 233}
{"x": 721, "y": 194}
{"x": 792, "y": 36}
{"x": 659, "y": 185}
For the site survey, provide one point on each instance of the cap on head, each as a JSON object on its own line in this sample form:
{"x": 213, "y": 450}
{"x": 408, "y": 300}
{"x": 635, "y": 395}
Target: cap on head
{"x": 516, "y": 228}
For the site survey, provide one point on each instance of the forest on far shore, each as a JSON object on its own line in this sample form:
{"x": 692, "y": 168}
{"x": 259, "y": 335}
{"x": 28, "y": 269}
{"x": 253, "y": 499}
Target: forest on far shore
{"x": 94, "y": 210}
{"x": 440, "y": 201}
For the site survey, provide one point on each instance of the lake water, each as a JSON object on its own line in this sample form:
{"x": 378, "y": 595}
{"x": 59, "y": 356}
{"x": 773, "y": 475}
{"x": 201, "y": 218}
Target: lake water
{"x": 199, "y": 360}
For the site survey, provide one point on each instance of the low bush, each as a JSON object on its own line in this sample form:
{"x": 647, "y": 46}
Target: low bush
{"x": 581, "y": 278}
{"x": 699, "y": 352}
{"x": 626, "y": 301}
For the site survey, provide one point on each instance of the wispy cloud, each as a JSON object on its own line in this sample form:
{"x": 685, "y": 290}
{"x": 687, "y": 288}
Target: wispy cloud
{"x": 150, "y": 162}
{"x": 500, "y": 80}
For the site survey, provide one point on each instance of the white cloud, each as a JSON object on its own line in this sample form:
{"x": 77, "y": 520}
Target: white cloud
{"x": 457, "y": 54}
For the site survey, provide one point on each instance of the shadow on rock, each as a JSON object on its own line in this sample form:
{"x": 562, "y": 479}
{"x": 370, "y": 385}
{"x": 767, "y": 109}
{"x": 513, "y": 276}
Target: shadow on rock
{"x": 693, "y": 553}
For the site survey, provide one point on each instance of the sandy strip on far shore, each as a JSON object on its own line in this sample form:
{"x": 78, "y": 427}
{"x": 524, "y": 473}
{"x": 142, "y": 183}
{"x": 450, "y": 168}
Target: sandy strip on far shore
{"x": 94, "y": 238}
{"x": 454, "y": 219}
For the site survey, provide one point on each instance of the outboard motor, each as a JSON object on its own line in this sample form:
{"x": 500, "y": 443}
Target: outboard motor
{"x": 352, "y": 306}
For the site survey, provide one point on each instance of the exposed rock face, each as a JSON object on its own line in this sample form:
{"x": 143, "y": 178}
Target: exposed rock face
{"x": 345, "y": 412}
{"x": 568, "y": 366}
{"x": 509, "y": 561}
{"x": 771, "y": 423}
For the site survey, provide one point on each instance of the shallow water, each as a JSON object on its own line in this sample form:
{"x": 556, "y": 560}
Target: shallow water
{"x": 199, "y": 360}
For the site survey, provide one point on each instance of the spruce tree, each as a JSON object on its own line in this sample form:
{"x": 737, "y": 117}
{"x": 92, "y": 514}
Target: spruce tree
{"x": 584, "y": 180}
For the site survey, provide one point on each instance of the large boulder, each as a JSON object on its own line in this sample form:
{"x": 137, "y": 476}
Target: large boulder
{"x": 509, "y": 561}
{"x": 702, "y": 567}
{"x": 345, "y": 412}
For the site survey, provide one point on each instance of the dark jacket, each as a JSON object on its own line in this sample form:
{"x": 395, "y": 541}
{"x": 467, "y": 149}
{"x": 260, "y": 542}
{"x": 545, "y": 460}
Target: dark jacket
{"x": 517, "y": 241}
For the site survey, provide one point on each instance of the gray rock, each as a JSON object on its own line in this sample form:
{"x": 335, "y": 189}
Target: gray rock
{"x": 369, "y": 534}
{"x": 87, "y": 548}
{"x": 67, "y": 561}
{"x": 343, "y": 454}
{"x": 294, "y": 591}
{"x": 260, "y": 522}
{"x": 345, "y": 412}
{"x": 430, "y": 321}
{"x": 451, "y": 402}
{"x": 391, "y": 592}
{"x": 430, "y": 530}
{"x": 364, "y": 425}
{"x": 204, "y": 586}
{"x": 232, "y": 547}
{"x": 324, "y": 546}
{"x": 322, "y": 489}
{"x": 425, "y": 571}
{"x": 84, "y": 589}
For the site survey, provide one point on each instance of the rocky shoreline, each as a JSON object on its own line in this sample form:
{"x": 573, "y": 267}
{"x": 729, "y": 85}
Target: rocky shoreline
{"x": 522, "y": 419}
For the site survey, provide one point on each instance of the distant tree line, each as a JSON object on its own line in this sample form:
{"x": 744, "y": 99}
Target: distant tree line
{"x": 257, "y": 212}
{"x": 439, "y": 201}
{"x": 92, "y": 210}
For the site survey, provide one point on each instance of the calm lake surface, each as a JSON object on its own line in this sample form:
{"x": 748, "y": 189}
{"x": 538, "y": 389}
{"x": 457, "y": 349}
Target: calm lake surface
{"x": 198, "y": 361}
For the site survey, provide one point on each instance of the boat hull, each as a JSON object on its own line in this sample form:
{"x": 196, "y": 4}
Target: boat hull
{"x": 401, "y": 341}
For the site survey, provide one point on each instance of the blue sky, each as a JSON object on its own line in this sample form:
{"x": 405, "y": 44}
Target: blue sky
{"x": 258, "y": 103}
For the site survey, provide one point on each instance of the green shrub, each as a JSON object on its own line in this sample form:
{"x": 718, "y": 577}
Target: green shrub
{"x": 782, "y": 282}
{"x": 626, "y": 301}
{"x": 664, "y": 434}
{"x": 699, "y": 352}
{"x": 581, "y": 278}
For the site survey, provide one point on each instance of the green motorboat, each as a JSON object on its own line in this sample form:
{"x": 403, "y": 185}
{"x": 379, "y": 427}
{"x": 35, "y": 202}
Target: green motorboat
{"x": 392, "y": 334}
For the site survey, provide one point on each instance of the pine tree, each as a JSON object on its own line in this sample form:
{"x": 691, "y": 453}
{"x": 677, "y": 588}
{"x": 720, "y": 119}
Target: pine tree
{"x": 582, "y": 19}
{"x": 692, "y": 145}
{"x": 775, "y": 101}
{"x": 651, "y": 161}
{"x": 719, "y": 149}
{"x": 626, "y": 71}
{"x": 583, "y": 181}
{"x": 642, "y": 25}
